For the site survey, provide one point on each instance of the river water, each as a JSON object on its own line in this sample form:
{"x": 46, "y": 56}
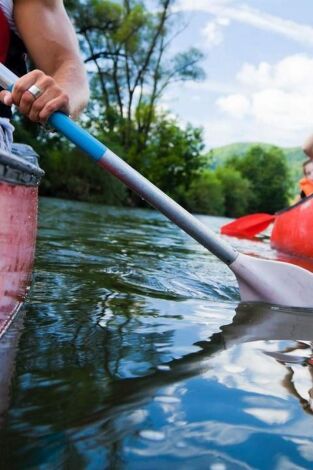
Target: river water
{"x": 135, "y": 353}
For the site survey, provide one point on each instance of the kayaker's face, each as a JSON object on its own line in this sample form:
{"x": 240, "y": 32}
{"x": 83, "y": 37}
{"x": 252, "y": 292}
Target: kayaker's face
{"x": 308, "y": 171}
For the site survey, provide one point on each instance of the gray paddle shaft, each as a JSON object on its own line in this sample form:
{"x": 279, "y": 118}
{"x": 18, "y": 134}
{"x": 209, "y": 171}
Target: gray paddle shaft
{"x": 154, "y": 196}
{"x": 7, "y": 78}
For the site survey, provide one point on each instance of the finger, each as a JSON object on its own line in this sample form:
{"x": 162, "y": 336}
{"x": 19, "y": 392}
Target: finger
{"x": 48, "y": 90}
{"x": 60, "y": 103}
{"x": 37, "y": 105}
{"x": 50, "y": 101}
{"x": 26, "y": 102}
{"x": 6, "y": 98}
{"x": 23, "y": 83}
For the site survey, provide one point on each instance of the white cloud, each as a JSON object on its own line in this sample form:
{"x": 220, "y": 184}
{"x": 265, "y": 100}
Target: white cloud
{"x": 213, "y": 34}
{"x": 241, "y": 13}
{"x": 235, "y": 105}
{"x": 276, "y": 100}
{"x": 293, "y": 73}
{"x": 270, "y": 415}
{"x": 223, "y": 21}
{"x": 290, "y": 29}
{"x": 289, "y": 111}
{"x": 256, "y": 76}
{"x": 267, "y": 102}
{"x": 213, "y": 31}
{"x": 271, "y": 106}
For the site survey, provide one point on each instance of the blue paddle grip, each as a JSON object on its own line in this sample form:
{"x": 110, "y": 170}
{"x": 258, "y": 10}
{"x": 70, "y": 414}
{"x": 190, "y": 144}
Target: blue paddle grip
{"x": 86, "y": 142}
{"x": 80, "y": 137}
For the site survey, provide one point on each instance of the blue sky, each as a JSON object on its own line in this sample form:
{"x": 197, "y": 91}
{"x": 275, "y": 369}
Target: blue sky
{"x": 259, "y": 67}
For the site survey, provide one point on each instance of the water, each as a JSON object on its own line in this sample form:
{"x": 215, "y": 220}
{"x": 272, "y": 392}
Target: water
{"x": 136, "y": 354}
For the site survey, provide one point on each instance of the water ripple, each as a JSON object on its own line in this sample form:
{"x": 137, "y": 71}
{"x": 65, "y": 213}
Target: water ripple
{"x": 136, "y": 354}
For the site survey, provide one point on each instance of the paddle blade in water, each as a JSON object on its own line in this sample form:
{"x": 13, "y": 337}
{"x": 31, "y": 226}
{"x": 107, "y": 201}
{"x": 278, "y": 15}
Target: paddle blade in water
{"x": 274, "y": 282}
{"x": 248, "y": 226}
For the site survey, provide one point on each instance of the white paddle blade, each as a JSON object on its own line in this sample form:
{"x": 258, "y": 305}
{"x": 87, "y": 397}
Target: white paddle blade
{"x": 274, "y": 282}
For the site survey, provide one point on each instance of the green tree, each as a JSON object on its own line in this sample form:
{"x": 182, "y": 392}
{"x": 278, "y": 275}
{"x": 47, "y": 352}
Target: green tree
{"x": 173, "y": 157}
{"x": 68, "y": 173}
{"x": 126, "y": 46}
{"x": 236, "y": 189}
{"x": 267, "y": 172}
{"x": 205, "y": 194}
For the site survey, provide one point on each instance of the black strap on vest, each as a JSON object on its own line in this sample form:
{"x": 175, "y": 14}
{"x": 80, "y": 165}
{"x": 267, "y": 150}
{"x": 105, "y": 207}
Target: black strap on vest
{"x": 16, "y": 61}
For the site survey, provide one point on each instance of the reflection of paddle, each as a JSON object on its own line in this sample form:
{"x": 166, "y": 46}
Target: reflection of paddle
{"x": 265, "y": 322}
{"x": 248, "y": 226}
{"x": 258, "y": 279}
{"x": 252, "y": 322}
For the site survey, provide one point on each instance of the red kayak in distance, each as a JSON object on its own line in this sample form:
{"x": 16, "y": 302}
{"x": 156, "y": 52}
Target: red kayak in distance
{"x": 292, "y": 228}
{"x": 291, "y": 233}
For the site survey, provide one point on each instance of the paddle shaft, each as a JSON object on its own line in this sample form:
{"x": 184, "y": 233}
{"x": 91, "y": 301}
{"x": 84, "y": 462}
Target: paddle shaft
{"x": 134, "y": 180}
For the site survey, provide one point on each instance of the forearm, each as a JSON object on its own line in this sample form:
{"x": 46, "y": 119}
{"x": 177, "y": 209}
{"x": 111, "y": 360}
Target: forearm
{"x": 52, "y": 44}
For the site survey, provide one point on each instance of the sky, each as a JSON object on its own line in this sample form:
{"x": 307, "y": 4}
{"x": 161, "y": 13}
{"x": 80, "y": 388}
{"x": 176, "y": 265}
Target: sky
{"x": 259, "y": 71}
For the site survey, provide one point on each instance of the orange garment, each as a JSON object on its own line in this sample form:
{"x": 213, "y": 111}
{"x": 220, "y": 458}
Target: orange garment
{"x": 306, "y": 186}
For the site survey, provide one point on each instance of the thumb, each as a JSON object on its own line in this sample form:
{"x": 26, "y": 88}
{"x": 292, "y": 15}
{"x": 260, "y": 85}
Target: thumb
{"x": 6, "y": 98}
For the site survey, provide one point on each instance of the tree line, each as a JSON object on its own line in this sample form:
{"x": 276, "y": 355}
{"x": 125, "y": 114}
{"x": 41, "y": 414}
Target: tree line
{"x": 127, "y": 48}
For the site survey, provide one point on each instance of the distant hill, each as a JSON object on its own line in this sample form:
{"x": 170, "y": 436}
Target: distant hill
{"x": 294, "y": 156}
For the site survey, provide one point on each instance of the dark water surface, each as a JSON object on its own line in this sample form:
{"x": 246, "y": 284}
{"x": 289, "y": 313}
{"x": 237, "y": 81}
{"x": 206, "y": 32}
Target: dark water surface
{"x": 136, "y": 354}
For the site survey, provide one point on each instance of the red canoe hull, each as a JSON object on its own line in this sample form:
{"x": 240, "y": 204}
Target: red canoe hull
{"x": 292, "y": 230}
{"x": 19, "y": 178}
{"x": 18, "y": 228}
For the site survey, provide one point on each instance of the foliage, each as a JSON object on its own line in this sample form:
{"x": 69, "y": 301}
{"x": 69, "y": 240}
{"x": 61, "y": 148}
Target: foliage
{"x": 126, "y": 47}
{"x": 173, "y": 156}
{"x": 69, "y": 174}
{"x": 294, "y": 157}
{"x": 257, "y": 181}
{"x": 268, "y": 175}
{"x": 87, "y": 183}
{"x": 205, "y": 194}
{"x": 236, "y": 189}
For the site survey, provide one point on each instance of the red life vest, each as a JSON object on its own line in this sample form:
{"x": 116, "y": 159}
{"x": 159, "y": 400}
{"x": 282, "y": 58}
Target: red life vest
{"x": 306, "y": 186}
{"x": 4, "y": 37}
{"x": 12, "y": 54}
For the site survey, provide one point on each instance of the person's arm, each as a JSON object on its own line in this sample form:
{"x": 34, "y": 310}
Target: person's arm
{"x": 53, "y": 47}
{"x": 308, "y": 147}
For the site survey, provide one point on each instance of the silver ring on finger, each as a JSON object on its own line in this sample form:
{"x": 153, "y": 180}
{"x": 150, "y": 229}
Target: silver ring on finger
{"x": 35, "y": 91}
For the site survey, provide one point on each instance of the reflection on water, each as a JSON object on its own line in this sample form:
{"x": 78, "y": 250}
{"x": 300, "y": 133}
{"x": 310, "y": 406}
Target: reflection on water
{"x": 136, "y": 354}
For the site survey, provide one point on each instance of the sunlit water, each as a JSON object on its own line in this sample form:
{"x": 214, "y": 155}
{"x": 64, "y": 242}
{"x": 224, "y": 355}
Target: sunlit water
{"x": 136, "y": 354}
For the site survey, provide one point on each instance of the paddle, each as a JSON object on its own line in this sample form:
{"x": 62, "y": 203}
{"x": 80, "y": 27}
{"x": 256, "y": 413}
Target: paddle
{"x": 248, "y": 226}
{"x": 259, "y": 280}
